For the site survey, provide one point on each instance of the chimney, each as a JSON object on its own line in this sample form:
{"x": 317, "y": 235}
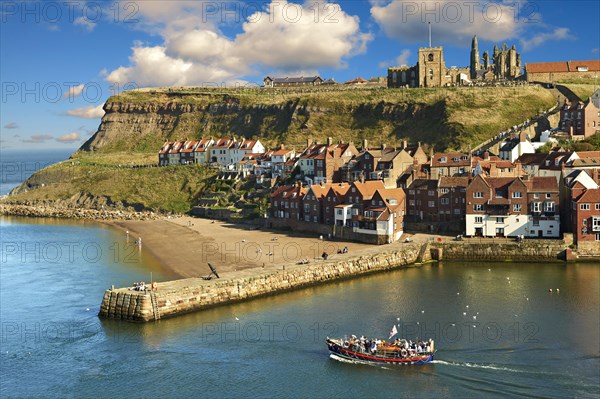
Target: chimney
{"x": 518, "y": 169}
{"x": 321, "y": 183}
{"x": 404, "y": 144}
{"x": 282, "y": 146}
{"x": 365, "y": 144}
{"x": 308, "y": 142}
{"x": 382, "y": 146}
{"x": 486, "y": 155}
{"x": 362, "y": 177}
{"x": 523, "y": 136}
{"x": 329, "y": 141}
{"x": 493, "y": 169}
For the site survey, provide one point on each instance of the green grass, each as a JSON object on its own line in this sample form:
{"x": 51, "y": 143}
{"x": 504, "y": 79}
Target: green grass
{"x": 170, "y": 188}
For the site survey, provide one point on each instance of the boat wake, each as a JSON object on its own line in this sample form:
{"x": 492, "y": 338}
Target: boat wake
{"x": 478, "y": 366}
{"x": 351, "y": 361}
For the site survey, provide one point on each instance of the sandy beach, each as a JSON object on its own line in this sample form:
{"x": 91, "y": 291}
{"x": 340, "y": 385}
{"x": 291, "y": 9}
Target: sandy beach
{"x": 185, "y": 245}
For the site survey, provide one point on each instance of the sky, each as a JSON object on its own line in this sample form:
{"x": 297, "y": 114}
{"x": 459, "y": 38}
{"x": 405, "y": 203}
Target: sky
{"x": 60, "y": 61}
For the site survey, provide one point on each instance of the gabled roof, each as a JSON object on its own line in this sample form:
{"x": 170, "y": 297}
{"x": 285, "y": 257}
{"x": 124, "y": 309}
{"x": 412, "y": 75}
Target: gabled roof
{"x": 368, "y": 188}
{"x": 223, "y": 143}
{"x": 165, "y": 148}
{"x": 591, "y": 196}
{"x": 339, "y": 189}
{"x": 175, "y": 147}
{"x": 189, "y": 146}
{"x": 281, "y": 152}
{"x": 202, "y": 145}
{"x": 532, "y": 159}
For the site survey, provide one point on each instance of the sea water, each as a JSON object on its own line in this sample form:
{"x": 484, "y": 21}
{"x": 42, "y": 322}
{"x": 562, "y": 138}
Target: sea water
{"x": 499, "y": 331}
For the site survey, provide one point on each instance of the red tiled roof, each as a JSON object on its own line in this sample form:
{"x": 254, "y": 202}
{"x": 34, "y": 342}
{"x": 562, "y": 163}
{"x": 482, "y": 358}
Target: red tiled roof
{"x": 542, "y": 183}
{"x": 368, "y": 188}
{"x": 590, "y": 195}
{"x": 446, "y": 181}
{"x": 450, "y": 159}
{"x": 562, "y": 66}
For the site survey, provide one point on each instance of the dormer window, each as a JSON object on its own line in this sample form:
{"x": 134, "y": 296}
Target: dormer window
{"x": 455, "y": 159}
{"x": 443, "y": 159}
{"x": 464, "y": 157}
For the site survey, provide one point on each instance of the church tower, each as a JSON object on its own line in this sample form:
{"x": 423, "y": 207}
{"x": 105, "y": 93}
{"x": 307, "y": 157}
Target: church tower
{"x": 474, "y": 58}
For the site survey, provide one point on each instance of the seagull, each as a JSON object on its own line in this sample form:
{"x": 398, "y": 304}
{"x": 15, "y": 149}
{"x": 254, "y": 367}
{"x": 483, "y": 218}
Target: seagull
{"x": 422, "y": 311}
{"x": 508, "y": 278}
{"x": 87, "y": 309}
{"x": 397, "y": 318}
{"x": 489, "y": 270}
{"x": 464, "y": 313}
{"x": 474, "y": 317}
{"x": 453, "y": 324}
{"x": 467, "y": 306}
{"x": 243, "y": 240}
{"x": 458, "y": 293}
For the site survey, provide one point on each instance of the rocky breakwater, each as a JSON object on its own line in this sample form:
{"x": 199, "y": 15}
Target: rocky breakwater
{"x": 73, "y": 213}
{"x": 182, "y": 296}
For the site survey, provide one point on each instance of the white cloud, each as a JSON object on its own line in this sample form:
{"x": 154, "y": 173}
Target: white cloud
{"x": 86, "y": 23}
{"x": 451, "y": 21}
{"x": 279, "y": 36}
{"x": 595, "y": 50}
{"x": 89, "y": 112}
{"x": 68, "y": 138}
{"x": 402, "y": 59}
{"x": 541, "y": 38}
{"x": 74, "y": 91}
{"x": 11, "y": 125}
{"x": 37, "y": 138}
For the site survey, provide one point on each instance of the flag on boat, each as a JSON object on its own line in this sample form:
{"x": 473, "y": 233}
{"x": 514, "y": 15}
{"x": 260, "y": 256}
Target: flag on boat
{"x": 393, "y": 332}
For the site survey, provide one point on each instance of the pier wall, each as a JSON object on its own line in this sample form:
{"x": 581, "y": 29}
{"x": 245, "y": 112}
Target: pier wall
{"x": 527, "y": 251}
{"x": 196, "y": 294}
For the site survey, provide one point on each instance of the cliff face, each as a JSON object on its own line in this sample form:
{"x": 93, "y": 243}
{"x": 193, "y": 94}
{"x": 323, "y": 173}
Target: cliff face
{"x": 143, "y": 120}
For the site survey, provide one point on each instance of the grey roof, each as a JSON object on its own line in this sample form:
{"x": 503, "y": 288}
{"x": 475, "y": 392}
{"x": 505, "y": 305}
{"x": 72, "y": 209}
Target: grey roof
{"x": 294, "y": 79}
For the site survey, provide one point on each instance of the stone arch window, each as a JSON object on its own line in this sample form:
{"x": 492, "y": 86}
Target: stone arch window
{"x": 430, "y": 73}
{"x": 403, "y": 76}
{"x": 430, "y": 57}
{"x": 412, "y": 74}
{"x": 394, "y": 76}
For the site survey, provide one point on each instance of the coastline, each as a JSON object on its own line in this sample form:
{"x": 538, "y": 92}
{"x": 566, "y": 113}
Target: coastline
{"x": 185, "y": 245}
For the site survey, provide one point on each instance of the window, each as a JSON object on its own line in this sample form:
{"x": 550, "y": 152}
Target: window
{"x": 499, "y": 193}
{"x": 548, "y": 195}
{"x": 411, "y": 192}
{"x": 350, "y": 199}
{"x": 457, "y": 211}
{"x": 478, "y": 207}
{"x": 596, "y": 223}
{"x": 598, "y": 207}
{"x": 598, "y": 237}
{"x": 478, "y": 194}
{"x": 430, "y": 58}
{"x": 517, "y": 194}
{"x": 445, "y": 191}
{"x": 516, "y": 207}
{"x": 478, "y": 219}
{"x": 274, "y": 203}
{"x": 339, "y": 212}
{"x": 411, "y": 202}
{"x": 315, "y": 219}
{"x": 500, "y": 220}
{"x": 548, "y": 206}
{"x": 314, "y": 208}
{"x": 536, "y": 207}
{"x": 443, "y": 160}
{"x": 431, "y": 193}
{"x": 584, "y": 207}
{"x": 444, "y": 201}
{"x": 431, "y": 204}
{"x": 536, "y": 195}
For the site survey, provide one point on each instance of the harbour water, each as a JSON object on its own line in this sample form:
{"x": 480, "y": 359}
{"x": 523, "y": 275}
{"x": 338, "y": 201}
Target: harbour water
{"x": 514, "y": 338}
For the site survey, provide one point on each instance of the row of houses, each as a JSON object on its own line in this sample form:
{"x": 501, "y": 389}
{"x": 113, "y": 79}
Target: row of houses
{"x": 361, "y": 208}
{"x": 223, "y": 151}
{"x": 523, "y": 194}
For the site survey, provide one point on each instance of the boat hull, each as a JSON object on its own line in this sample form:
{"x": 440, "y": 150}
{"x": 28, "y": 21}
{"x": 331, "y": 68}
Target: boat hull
{"x": 338, "y": 350}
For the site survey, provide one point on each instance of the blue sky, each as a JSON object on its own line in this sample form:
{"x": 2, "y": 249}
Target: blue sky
{"x": 60, "y": 61}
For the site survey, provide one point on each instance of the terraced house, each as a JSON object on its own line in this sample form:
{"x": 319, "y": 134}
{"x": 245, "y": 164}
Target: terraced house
{"x": 511, "y": 207}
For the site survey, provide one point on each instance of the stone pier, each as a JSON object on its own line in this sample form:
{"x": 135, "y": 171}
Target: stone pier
{"x": 187, "y": 295}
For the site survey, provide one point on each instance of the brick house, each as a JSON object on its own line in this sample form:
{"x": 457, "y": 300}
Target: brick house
{"x": 509, "y": 207}
{"x": 452, "y": 193}
{"x": 581, "y": 120}
{"x": 585, "y": 216}
{"x": 449, "y": 164}
{"x": 336, "y": 195}
{"x": 286, "y": 202}
{"x": 422, "y": 201}
{"x": 322, "y": 162}
{"x": 313, "y": 203}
